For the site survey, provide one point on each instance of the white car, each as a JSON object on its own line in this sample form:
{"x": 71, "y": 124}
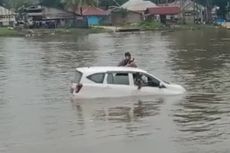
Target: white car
{"x": 106, "y": 82}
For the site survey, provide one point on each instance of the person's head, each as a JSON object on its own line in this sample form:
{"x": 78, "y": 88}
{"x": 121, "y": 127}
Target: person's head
{"x": 127, "y": 56}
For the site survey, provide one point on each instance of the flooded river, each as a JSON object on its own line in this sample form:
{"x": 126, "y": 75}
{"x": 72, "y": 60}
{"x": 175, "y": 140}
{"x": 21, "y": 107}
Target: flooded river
{"x": 38, "y": 115}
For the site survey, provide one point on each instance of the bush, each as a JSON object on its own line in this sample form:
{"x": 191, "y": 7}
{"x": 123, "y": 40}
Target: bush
{"x": 150, "y": 25}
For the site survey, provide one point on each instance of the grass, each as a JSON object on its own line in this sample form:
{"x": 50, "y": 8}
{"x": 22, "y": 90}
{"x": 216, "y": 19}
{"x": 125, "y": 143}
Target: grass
{"x": 193, "y": 26}
{"x": 98, "y": 30}
{"x": 11, "y": 32}
{"x": 150, "y": 25}
{"x": 145, "y": 25}
{"x": 71, "y": 31}
{"x": 5, "y": 32}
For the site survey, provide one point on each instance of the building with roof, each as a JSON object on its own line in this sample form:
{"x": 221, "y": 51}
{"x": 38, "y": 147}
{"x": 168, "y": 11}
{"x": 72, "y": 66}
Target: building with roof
{"x": 94, "y": 15}
{"x": 7, "y": 17}
{"x": 121, "y": 16}
{"x": 190, "y": 10}
{"x": 45, "y": 17}
{"x": 61, "y": 18}
{"x": 163, "y": 13}
{"x": 138, "y": 5}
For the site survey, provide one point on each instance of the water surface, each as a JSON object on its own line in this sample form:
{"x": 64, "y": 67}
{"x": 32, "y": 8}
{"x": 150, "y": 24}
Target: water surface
{"x": 37, "y": 113}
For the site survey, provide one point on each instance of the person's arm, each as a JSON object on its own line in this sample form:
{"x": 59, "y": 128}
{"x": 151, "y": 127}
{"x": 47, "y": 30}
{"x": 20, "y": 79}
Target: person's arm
{"x": 122, "y": 63}
{"x": 132, "y": 64}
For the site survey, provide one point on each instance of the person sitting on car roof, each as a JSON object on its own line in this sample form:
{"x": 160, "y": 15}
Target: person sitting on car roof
{"x": 128, "y": 61}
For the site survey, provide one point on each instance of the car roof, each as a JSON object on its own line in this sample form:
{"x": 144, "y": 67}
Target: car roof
{"x": 103, "y": 69}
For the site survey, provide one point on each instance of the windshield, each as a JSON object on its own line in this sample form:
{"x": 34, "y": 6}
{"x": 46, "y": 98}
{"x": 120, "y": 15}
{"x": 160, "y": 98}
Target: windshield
{"x": 77, "y": 77}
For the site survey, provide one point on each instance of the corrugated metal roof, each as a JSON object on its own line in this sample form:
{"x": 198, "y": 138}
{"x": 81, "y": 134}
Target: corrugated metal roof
{"x": 90, "y": 11}
{"x": 165, "y": 10}
{"x": 53, "y": 13}
{"x": 138, "y": 5}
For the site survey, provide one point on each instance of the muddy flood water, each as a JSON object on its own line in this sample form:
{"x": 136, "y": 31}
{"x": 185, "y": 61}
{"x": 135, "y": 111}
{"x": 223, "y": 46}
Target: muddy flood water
{"x": 38, "y": 115}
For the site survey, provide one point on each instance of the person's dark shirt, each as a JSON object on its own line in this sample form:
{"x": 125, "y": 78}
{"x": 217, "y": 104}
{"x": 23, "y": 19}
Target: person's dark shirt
{"x": 128, "y": 63}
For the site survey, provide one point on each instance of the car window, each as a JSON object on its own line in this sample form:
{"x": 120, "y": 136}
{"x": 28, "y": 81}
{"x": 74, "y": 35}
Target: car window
{"x": 97, "y": 78}
{"x": 145, "y": 80}
{"x": 77, "y": 77}
{"x": 118, "y": 78}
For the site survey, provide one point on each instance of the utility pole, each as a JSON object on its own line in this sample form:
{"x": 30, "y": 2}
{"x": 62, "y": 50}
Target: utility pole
{"x": 194, "y": 11}
{"x": 208, "y": 12}
{"x": 80, "y": 4}
{"x": 182, "y": 11}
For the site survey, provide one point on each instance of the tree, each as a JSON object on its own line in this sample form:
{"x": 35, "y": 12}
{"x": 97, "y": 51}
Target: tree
{"x": 107, "y": 3}
{"x": 221, "y": 3}
{"x": 1, "y": 2}
{"x": 223, "y": 10}
{"x": 15, "y": 4}
{"x": 52, "y": 3}
{"x": 75, "y": 5}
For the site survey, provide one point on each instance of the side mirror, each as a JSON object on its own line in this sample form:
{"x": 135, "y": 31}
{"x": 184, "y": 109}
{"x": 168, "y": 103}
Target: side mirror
{"x": 161, "y": 85}
{"x": 139, "y": 86}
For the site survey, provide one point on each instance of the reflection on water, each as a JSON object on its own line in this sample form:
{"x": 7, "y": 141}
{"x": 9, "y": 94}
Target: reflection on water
{"x": 36, "y": 114}
{"x": 119, "y": 113}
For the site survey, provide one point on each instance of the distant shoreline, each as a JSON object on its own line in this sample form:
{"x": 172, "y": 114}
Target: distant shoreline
{"x": 14, "y": 32}
{"x": 11, "y": 32}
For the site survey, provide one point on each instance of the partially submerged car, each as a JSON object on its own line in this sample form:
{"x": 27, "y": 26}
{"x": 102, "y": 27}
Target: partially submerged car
{"x": 106, "y": 82}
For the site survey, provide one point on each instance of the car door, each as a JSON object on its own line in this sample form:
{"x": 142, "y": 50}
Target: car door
{"x": 146, "y": 84}
{"x": 118, "y": 84}
{"x": 94, "y": 85}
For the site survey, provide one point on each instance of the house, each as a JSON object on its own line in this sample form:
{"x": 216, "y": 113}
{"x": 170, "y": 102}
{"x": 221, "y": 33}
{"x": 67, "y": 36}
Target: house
{"x": 163, "y": 13}
{"x": 61, "y": 18}
{"x": 121, "y": 16}
{"x": 7, "y": 17}
{"x": 33, "y": 13}
{"x": 94, "y": 15}
{"x": 190, "y": 10}
{"x": 45, "y": 17}
{"x": 138, "y": 5}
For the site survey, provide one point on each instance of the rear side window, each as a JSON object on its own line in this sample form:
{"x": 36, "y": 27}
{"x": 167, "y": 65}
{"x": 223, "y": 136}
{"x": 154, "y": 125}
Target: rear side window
{"x": 77, "y": 77}
{"x": 97, "y": 78}
{"x": 118, "y": 78}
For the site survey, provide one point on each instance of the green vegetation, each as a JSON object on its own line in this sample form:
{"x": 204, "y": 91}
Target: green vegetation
{"x": 98, "y": 30}
{"x": 150, "y": 25}
{"x": 73, "y": 4}
{"x": 103, "y": 3}
{"x": 8, "y": 32}
{"x": 192, "y": 26}
{"x": 153, "y": 25}
{"x": 15, "y": 4}
{"x": 72, "y": 31}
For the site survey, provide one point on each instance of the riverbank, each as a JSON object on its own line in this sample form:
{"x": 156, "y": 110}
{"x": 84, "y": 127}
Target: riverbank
{"x": 144, "y": 26}
{"x": 11, "y": 32}
{"x": 151, "y": 25}
{"x": 155, "y": 26}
